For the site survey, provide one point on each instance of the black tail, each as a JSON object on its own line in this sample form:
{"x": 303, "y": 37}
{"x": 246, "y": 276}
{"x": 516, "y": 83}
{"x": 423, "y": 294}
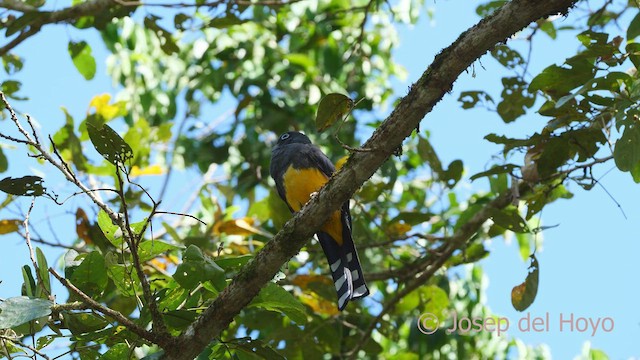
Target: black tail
{"x": 345, "y": 267}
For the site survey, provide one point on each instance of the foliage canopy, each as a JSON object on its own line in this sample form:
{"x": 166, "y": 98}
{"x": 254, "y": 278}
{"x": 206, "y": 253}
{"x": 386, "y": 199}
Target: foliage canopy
{"x": 137, "y": 264}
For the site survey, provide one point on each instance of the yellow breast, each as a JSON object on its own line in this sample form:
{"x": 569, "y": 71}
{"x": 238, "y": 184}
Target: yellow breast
{"x": 299, "y": 184}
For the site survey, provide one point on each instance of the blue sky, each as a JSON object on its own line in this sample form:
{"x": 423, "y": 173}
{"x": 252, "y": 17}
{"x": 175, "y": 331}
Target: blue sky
{"x": 588, "y": 264}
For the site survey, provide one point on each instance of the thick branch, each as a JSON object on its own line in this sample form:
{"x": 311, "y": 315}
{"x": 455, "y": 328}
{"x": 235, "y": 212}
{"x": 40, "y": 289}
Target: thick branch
{"x": 423, "y": 96}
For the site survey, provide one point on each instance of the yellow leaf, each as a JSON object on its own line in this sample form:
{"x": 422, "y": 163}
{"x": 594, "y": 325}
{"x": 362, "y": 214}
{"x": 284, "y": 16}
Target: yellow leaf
{"x": 398, "y": 229}
{"x": 101, "y": 104}
{"x": 149, "y": 170}
{"x": 319, "y": 305}
{"x": 243, "y": 227}
{"x": 303, "y": 281}
{"x": 9, "y": 226}
{"x": 239, "y": 249}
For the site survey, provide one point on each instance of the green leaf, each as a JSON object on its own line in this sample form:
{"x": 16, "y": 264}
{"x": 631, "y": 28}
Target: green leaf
{"x": 43, "y": 341}
{"x": 507, "y": 57}
{"x": 473, "y": 253}
{"x": 149, "y": 249}
{"x": 634, "y": 28}
{"x": 470, "y": 99}
{"x": 548, "y": 28}
{"x": 556, "y": 152}
{"x": 44, "y": 281}
{"x": 332, "y": 108}
{"x": 489, "y": 8}
{"x": 523, "y": 295}
{"x": 69, "y": 145}
{"x": 12, "y": 63}
{"x": 91, "y": 275}
{"x": 509, "y": 219}
{"x": 10, "y": 87}
{"x": 274, "y": 298}
{"x": 82, "y": 59}
{"x": 497, "y": 169}
{"x": 117, "y": 352}
{"x": 167, "y": 44}
{"x": 538, "y": 200}
{"x": 19, "y": 310}
{"x": 627, "y": 151}
{"x": 29, "y": 285}
{"x": 429, "y": 299}
{"x": 226, "y": 21}
{"x": 453, "y": 174}
{"x": 108, "y": 143}
{"x": 234, "y": 263}
{"x": 428, "y": 154}
{"x": 125, "y": 279}
{"x": 411, "y": 218}
{"x": 524, "y": 245}
{"x": 558, "y": 81}
{"x": 111, "y": 231}
{"x": 248, "y": 348}
{"x": 516, "y": 98}
{"x": 83, "y": 322}
{"x": 4, "y": 163}
{"x": 24, "y": 186}
{"x": 196, "y": 268}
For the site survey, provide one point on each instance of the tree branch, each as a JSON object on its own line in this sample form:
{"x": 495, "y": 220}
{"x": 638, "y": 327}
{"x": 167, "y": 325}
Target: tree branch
{"x": 437, "y": 80}
{"x": 160, "y": 339}
{"x": 91, "y": 7}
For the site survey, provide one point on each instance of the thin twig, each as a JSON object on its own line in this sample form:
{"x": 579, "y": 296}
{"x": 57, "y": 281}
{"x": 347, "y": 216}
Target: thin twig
{"x": 183, "y": 215}
{"x": 134, "y": 240}
{"x": 117, "y": 316}
{"x": 19, "y": 343}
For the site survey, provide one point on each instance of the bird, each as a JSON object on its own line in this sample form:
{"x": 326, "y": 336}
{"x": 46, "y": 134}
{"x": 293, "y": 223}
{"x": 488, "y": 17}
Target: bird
{"x": 299, "y": 170}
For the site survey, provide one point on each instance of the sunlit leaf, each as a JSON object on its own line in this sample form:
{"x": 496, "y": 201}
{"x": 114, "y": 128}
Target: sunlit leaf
{"x": 149, "y": 249}
{"x": 243, "y": 227}
{"x": 8, "y": 226}
{"x": 398, "y": 229}
{"x": 332, "y": 107}
{"x": 82, "y": 59}
{"x": 149, "y": 170}
{"x": 19, "y": 310}
{"x": 274, "y": 298}
{"x": 44, "y": 279}
{"x": 91, "y": 275}
{"x": 318, "y": 304}
{"x": 106, "y": 110}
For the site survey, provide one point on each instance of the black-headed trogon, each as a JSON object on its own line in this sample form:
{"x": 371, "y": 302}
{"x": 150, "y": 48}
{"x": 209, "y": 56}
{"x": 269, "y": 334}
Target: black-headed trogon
{"x": 300, "y": 169}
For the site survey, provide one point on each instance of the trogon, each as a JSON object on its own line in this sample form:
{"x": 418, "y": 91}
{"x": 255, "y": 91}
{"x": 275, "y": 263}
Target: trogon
{"x": 300, "y": 169}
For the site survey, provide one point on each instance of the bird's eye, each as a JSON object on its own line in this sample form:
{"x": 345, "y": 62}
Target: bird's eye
{"x": 284, "y": 136}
